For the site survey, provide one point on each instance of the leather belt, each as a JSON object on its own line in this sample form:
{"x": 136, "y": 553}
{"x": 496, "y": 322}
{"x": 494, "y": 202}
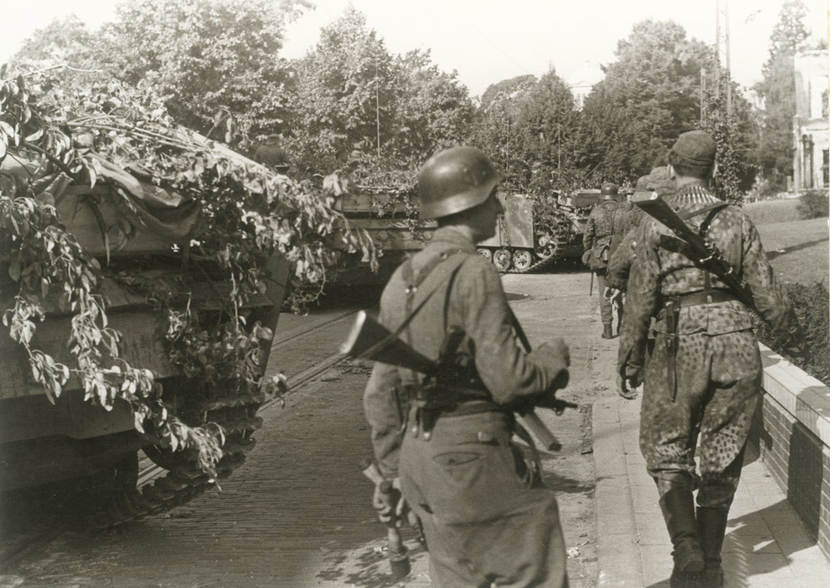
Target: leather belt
{"x": 703, "y": 297}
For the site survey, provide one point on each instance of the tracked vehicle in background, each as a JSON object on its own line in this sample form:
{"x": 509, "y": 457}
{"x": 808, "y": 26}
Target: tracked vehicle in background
{"x": 536, "y": 232}
{"x": 532, "y": 234}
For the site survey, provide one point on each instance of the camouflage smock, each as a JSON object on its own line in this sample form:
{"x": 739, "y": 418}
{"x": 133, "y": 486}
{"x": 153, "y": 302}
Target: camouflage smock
{"x": 482, "y": 521}
{"x": 718, "y": 367}
{"x": 599, "y": 229}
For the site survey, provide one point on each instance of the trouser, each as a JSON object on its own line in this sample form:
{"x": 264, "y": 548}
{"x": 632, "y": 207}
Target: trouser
{"x": 484, "y": 524}
{"x": 605, "y": 312}
{"x": 718, "y": 387}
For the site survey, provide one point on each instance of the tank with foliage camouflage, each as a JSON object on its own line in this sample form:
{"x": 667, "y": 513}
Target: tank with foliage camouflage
{"x": 142, "y": 271}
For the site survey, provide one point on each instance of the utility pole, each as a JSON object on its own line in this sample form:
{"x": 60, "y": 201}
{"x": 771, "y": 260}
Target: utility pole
{"x": 717, "y": 49}
{"x": 722, "y": 43}
{"x": 377, "y": 106}
{"x": 728, "y": 60}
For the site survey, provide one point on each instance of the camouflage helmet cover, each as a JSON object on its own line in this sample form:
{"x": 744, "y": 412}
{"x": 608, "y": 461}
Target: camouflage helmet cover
{"x": 454, "y": 180}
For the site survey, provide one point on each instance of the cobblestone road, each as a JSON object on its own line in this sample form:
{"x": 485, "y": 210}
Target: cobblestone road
{"x": 297, "y": 513}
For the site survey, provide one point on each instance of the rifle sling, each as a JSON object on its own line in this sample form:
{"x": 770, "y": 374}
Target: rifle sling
{"x": 448, "y": 270}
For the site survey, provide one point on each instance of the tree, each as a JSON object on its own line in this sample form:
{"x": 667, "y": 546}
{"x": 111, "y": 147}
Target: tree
{"x": 778, "y": 92}
{"x": 216, "y": 61}
{"x": 63, "y": 41}
{"x": 433, "y": 109}
{"x": 530, "y": 128}
{"x": 496, "y": 128}
{"x": 379, "y": 116}
{"x": 648, "y": 97}
{"x": 344, "y": 96}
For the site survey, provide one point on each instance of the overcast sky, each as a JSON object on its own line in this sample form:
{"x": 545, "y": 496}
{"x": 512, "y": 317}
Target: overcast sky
{"x": 490, "y": 40}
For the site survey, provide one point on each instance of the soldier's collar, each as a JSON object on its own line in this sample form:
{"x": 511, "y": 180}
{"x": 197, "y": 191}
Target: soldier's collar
{"x": 455, "y": 237}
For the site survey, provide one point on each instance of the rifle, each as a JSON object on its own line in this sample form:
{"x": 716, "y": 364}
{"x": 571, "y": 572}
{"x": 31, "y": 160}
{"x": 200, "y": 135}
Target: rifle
{"x": 591, "y": 285}
{"x": 369, "y": 339}
{"x": 701, "y": 252}
{"x": 706, "y": 255}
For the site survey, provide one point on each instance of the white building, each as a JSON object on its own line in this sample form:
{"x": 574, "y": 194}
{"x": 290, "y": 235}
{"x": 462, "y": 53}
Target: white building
{"x": 811, "y": 156}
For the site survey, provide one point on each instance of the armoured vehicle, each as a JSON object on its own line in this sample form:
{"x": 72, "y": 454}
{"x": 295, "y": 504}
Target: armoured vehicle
{"x": 42, "y": 442}
{"x": 535, "y": 232}
{"x": 393, "y": 232}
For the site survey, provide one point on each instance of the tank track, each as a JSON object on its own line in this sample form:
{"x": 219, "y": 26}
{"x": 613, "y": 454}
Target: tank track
{"x": 183, "y": 480}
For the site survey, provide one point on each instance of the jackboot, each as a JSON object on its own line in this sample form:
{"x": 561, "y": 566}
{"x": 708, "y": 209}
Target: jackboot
{"x": 606, "y": 331}
{"x": 619, "y": 320}
{"x": 711, "y": 525}
{"x": 679, "y": 513}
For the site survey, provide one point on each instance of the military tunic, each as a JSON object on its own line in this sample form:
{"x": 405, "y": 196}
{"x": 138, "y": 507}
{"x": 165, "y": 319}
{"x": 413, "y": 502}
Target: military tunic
{"x": 604, "y": 222}
{"x": 483, "y": 521}
{"x": 718, "y": 366}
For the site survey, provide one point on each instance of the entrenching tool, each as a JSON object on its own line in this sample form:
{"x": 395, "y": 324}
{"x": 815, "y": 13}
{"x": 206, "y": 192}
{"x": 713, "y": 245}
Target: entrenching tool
{"x": 398, "y": 553}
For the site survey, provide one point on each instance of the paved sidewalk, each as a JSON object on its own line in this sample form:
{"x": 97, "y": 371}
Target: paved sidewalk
{"x": 766, "y": 543}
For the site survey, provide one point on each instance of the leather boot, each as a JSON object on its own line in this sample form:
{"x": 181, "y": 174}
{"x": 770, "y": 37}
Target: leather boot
{"x": 606, "y": 331}
{"x": 711, "y": 524}
{"x": 619, "y": 320}
{"x": 679, "y": 513}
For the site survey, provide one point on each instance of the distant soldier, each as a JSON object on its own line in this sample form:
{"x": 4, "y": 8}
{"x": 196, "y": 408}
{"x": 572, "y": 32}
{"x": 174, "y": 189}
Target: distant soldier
{"x": 703, "y": 374}
{"x": 606, "y": 218}
{"x": 656, "y": 184}
{"x": 486, "y": 518}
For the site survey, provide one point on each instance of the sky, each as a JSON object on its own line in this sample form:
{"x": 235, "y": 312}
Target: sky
{"x": 486, "y": 41}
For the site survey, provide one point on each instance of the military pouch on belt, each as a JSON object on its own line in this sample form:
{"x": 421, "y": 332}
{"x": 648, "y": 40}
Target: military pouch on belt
{"x": 672, "y": 315}
{"x": 454, "y": 383}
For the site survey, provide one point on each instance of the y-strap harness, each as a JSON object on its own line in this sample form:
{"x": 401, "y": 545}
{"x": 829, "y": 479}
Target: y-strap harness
{"x": 707, "y": 296}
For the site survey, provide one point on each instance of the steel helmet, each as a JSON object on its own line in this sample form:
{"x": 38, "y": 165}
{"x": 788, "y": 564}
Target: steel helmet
{"x": 608, "y": 189}
{"x": 455, "y": 179}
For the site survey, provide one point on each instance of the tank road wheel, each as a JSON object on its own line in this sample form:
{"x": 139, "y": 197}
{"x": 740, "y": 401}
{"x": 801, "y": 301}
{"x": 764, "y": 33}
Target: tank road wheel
{"x": 485, "y": 253}
{"x": 522, "y": 260}
{"x": 502, "y": 259}
{"x": 545, "y": 247}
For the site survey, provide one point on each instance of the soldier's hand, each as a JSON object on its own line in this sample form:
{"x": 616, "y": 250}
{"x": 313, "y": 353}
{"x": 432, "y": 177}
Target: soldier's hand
{"x": 632, "y": 376}
{"x": 389, "y": 503}
{"x": 556, "y": 348}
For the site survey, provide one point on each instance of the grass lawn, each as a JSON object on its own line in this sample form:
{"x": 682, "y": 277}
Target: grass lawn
{"x": 773, "y": 211}
{"x": 798, "y": 249}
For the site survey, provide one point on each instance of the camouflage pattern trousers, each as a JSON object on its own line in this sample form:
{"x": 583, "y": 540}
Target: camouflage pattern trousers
{"x": 718, "y": 387}
{"x": 605, "y": 310}
{"x": 483, "y": 523}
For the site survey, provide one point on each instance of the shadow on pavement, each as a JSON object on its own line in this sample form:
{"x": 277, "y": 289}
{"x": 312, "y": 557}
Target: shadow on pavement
{"x": 368, "y": 569}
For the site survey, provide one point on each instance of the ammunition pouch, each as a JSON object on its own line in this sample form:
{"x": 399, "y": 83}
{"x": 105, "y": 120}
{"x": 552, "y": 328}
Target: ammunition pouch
{"x": 434, "y": 399}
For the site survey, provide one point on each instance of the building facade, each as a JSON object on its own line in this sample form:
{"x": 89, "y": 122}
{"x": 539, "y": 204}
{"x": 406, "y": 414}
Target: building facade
{"x": 811, "y": 155}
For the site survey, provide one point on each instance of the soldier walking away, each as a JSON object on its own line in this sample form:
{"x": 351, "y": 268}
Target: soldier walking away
{"x": 486, "y": 517}
{"x": 702, "y": 373}
{"x": 596, "y": 242}
{"x": 656, "y": 184}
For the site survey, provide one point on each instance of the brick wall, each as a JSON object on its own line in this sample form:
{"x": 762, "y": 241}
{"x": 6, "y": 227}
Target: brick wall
{"x": 792, "y": 431}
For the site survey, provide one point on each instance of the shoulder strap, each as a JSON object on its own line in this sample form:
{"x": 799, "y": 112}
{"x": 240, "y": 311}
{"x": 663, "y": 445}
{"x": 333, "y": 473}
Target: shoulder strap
{"x": 436, "y": 272}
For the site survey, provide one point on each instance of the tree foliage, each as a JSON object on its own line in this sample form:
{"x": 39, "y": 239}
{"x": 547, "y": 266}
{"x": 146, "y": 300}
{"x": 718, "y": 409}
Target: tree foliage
{"x": 379, "y": 116}
{"x": 215, "y": 61}
{"x": 778, "y": 93}
{"x": 248, "y": 214}
{"x": 531, "y": 128}
{"x": 648, "y": 96}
